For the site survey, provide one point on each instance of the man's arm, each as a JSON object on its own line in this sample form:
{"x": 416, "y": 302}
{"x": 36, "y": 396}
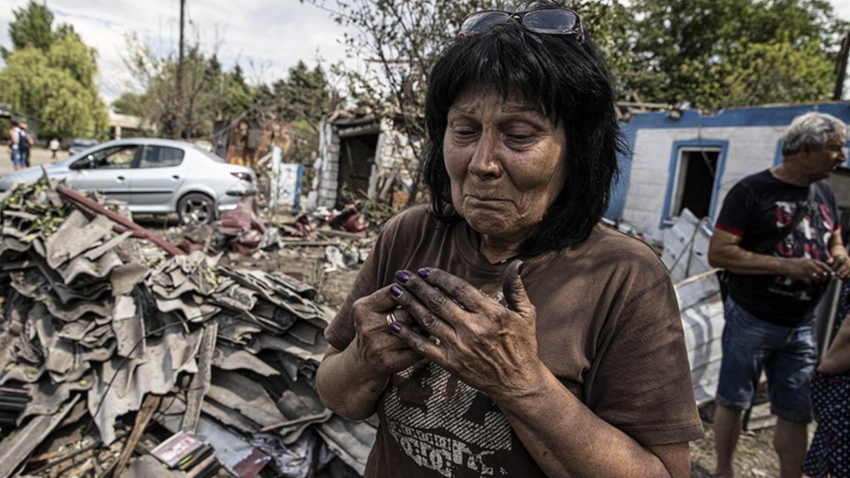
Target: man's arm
{"x": 840, "y": 262}
{"x": 725, "y": 252}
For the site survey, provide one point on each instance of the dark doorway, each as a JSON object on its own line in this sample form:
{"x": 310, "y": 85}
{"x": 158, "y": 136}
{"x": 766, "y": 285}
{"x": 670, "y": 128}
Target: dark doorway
{"x": 356, "y": 157}
{"x": 697, "y": 171}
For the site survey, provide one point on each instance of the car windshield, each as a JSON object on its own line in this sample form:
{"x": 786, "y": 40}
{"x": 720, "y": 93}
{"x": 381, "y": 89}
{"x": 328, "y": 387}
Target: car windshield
{"x": 212, "y": 156}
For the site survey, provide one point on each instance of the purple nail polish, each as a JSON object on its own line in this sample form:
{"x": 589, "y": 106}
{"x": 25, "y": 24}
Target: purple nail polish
{"x": 395, "y": 328}
{"x": 423, "y": 273}
{"x": 396, "y": 291}
{"x": 521, "y": 267}
{"x": 402, "y": 277}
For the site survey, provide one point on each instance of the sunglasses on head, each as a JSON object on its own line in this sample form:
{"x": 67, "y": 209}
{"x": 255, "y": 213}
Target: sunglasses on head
{"x": 552, "y": 21}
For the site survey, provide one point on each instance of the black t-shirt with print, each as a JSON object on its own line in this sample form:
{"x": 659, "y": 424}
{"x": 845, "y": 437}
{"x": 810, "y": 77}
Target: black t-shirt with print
{"x": 756, "y": 209}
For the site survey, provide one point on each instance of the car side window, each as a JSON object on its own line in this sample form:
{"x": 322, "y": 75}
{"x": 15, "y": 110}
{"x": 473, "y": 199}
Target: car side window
{"x": 161, "y": 157}
{"x": 116, "y": 157}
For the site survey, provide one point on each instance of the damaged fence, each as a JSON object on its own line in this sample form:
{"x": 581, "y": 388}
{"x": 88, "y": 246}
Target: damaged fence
{"x": 118, "y": 359}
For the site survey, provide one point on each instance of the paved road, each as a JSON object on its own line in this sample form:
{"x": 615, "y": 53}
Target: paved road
{"x": 37, "y": 156}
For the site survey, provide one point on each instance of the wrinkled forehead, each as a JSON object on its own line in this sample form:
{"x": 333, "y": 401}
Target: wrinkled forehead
{"x": 477, "y": 96}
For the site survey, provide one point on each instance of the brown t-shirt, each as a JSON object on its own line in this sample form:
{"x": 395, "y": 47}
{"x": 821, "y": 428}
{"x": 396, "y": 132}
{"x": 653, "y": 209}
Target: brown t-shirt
{"x": 608, "y": 326}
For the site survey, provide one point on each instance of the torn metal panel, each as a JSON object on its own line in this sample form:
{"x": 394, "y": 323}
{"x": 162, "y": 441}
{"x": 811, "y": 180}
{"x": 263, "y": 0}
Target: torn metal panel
{"x": 124, "y": 278}
{"x": 59, "y": 353}
{"x": 75, "y": 331}
{"x": 243, "y": 395}
{"x": 48, "y": 396}
{"x": 128, "y": 327}
{"x": 192, "y": 312}
{"x": 23, "y": 441}
{"x": 305, "y": 333}
{"x": 282, "y": 344}
{"x": 97, "y": 252}
{"x": 83, "y": 266}
{"x": 236, "y": 331}
{"x": 200, "y": 384}
{"x": 351, "y": 441}
{"x": 156, "y": 373}
{"x": 226, "y": 416}
{"x": 229, "y": 358}
{"x": 23, "y": 373}
{"x": 74, "y": 237}
{"x": 74, "y": 310}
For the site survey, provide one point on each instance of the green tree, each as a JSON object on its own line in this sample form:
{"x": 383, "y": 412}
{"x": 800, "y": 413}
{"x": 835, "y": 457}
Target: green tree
{"x": 50, "y": 76}
{"x": 32, "y": 27}
{"x": 704, "y": 51}
{"x": 63, "y": 105}
{"x": 209, "y": 93}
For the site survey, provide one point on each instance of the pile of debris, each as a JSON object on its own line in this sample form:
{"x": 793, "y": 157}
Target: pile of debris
{"x": 117, "y": 358}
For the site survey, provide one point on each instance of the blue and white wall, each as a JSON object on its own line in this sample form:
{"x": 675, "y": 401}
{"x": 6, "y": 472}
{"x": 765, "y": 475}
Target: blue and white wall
{"x": 748, "y": 141}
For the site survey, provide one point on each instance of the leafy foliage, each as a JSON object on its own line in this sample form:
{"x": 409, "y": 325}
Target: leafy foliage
{"x": 209, "y": 93}
{"x": 52, "y": 82}
{"x": 725, "y": 53}
{"x": 32, "y": 27}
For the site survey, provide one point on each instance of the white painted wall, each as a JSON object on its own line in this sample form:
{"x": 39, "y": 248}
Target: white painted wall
{"x": 751, "y": 149}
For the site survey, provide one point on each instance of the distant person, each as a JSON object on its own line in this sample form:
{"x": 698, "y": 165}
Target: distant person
{"x": 54, "y": 147}
{"x": 25, "y": 142}
{"x": 779, "y": 236}
{"x": 14, "y": 139}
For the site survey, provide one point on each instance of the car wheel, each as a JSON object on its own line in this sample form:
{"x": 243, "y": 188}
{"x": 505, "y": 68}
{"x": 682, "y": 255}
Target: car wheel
{"x": 196, "y": 208}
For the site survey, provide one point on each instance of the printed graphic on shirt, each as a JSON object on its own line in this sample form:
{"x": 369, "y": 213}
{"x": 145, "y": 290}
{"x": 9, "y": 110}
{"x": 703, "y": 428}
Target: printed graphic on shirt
{"x": 444, "y": 424}
{"x": 804, "y": 242}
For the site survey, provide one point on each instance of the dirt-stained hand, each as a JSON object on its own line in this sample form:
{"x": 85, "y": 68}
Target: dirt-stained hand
{"x": 376, "y": 345}
{"x": 490, "y": 347}
{"x": 807, "y": 270}
{"x": 840, "y": 264}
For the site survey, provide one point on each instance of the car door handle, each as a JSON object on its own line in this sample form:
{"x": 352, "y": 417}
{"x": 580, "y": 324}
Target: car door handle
{"x": 175, "y": 177}
{"x": 121, "y": 178}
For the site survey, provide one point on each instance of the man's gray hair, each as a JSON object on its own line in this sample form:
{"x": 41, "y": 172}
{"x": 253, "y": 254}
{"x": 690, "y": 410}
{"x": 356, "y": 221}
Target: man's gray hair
{"x": 812, "y": 130}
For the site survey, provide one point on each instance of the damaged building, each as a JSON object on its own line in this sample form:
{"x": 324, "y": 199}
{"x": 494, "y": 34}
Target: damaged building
{"x": 363, "y": 155}
{"x": 690, "y": 160}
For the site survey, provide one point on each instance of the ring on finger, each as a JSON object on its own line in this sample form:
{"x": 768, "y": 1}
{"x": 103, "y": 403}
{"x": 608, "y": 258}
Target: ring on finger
{"x": 390, "y": 319}
{"x": 436, "y": 340}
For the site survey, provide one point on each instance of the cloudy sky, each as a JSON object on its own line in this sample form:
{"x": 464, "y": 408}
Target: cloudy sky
{"x": 265, "y": 36}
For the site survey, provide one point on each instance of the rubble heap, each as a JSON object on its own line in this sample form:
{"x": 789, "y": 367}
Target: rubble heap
{"x": 123, "y": 348}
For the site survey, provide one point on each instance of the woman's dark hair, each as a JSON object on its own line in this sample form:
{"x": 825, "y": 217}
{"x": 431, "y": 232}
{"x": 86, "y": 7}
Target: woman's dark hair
{"x": 569, "y": 81}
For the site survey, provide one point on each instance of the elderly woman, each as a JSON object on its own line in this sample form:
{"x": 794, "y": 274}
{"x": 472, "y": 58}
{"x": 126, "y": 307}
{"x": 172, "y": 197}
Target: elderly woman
{"x": 503, "y": 331}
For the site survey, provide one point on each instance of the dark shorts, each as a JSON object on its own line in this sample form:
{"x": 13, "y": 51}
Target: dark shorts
{"x": 829, "y": 455}
{"x": 786, "y": 354}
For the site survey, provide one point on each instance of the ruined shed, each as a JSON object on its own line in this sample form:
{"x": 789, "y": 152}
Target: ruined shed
{"x": 690, "y": 160}
{"x": 361, "y": 155}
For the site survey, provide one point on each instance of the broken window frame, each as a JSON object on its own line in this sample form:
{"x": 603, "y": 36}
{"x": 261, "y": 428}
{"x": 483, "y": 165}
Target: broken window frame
{"x": 676, "y": 176}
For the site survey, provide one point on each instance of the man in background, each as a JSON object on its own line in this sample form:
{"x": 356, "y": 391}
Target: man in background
{"x": 25, "y": 143}
{"x": 14, "y": 138}
{"x": 779, "y": 237}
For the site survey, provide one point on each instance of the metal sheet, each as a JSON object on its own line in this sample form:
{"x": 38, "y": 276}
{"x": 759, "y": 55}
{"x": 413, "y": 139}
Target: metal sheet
{"x": 23, "y": 441}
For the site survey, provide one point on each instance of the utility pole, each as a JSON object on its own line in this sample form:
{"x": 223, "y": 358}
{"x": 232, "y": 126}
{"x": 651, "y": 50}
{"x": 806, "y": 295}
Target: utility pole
{"x": 179, "y": 113}
{"x": 841, "y": 68}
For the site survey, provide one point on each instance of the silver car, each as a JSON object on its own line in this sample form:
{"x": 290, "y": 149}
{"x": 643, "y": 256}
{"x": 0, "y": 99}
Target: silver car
{"x": 153, "y": 176}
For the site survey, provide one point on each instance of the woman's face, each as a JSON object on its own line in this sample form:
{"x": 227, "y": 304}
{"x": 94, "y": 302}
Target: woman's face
{"x": 505, "y": 160}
